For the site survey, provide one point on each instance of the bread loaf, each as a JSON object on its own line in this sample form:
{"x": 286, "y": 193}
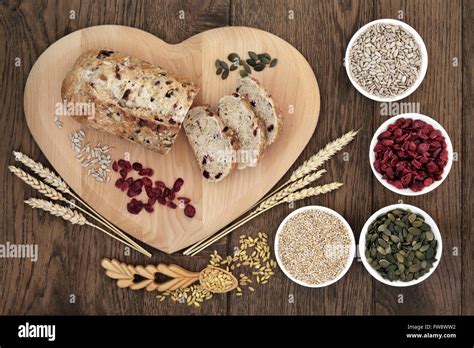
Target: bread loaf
{"x": 237, "y": 114}
{"x": 133, "y": 99}
{"x": 213, "y": 144}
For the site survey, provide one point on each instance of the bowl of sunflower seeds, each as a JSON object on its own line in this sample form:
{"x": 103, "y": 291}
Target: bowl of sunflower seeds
{"x": 386, "y": 60}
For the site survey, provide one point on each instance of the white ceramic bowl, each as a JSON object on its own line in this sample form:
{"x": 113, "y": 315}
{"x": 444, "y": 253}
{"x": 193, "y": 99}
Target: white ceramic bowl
{"x": 424, "y": 60}
{"x": 428, "y": 220}
{"x": 407, "y": 191}
{"x": 351, "y": 252}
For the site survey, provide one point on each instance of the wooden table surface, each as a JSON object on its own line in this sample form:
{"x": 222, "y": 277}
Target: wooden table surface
{"x": 67, "y": 278}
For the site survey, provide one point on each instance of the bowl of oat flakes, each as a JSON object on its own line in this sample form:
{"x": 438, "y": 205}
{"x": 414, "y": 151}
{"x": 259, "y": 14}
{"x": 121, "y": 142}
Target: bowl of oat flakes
{"x": 314, "y": 246}
{"x": 386, "y": 60}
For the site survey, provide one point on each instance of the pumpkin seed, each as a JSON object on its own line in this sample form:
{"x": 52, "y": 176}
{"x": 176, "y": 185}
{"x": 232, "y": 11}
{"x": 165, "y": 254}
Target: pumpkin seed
{"x": 265, "y": 60}
{"x": 259, "y": 67}
{"x": 243, "y": 73}
{"x": 233, "y": 57}
{"x": 225, "y": 74}
{"x": 224, "y": 65}
{"x": 247, "y": 68}
{"x": 218, "y": 64}
{"x": 265, "y": 56}
{"x": 394, "y": 238}
{"x": 429, "y": 236}
{"x": 251, "y": 62}
{"x": 414, "y": 268}
{"x": 382, "y": 243}
{"x": 414, "y": 231}
{"x": 273, "y": 62}
{"x": 430, "y": 253}
{"x": 399, "y": 246}
{"x": 219, "y": 70}
{"x": 253, "y": 55}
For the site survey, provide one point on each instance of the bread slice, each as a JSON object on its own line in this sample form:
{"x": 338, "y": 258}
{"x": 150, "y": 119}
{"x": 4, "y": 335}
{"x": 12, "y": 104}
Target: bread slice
{"x": 263, "y": 105}
{"x": 237, "y": 114}
{"x": 214, "y": 145}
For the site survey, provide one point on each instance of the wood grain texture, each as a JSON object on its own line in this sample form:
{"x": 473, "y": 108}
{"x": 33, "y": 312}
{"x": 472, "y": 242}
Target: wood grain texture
{"x": 467, "y": 158}
{"x": 69, "y": 259}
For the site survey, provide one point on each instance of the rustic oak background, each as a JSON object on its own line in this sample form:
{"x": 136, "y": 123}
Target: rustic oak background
{"x": 69, "y": 257}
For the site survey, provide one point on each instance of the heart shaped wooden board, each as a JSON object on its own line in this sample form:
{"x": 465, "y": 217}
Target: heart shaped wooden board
{"x": 292, "y": 83}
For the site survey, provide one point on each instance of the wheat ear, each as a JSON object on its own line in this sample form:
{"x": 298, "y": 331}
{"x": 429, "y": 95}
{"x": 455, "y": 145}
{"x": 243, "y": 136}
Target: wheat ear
{"x": 292, "y": 197}
{"x": 317, "y": 160}
{"x": 56, "y": 181}
{"x": 67, "y": 214}
{"x": 51, "y": 193}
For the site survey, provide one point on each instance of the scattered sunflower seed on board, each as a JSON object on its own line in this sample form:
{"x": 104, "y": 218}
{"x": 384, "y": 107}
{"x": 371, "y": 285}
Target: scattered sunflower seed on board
{"x": 400, "y": 245}
{"x": 95, "y": 158}
{"x": 385, "y": 60}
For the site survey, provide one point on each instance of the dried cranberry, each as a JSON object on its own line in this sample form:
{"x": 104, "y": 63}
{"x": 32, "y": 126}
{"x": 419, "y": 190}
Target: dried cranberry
{"x": 160, "y": 184}
{"x": 119, "y": 182}
{"x": 137, "y": 184}
{"x": 121, "y": 163}
{"x": 137, "y": 166}
{"x": 428, "y": 182}
{"x": 171, "y": 195}
{"x": 185, "y": 200}
{"x": 423, "y": 147}
{"x": 132, "y": 193}
{"x": 189, "y": 210}
{"x": 134, "y": 206}
{"x": 129, "y": 181}
{"x": 157, "y": 192}
{"x": 149, "y": 192}
{"x": 177, "y": 184}
{"x": 151, "y": 200}
{"x": 128, "y": 166}
{"x": 385, "y": 135}
{"x": 124, "y": 186}
{"x": 147, "y": 182}
{"x": 115, "y": 166}
{"x": 148, "y": 208}
{"x": 171, "y": 204}
{"x": 146, "y": 172}
{"x": 123, "y": 173}
{"x": 166, "y": 192}
{"x": 443, "y": 155}
{"x": 161, "y": 200}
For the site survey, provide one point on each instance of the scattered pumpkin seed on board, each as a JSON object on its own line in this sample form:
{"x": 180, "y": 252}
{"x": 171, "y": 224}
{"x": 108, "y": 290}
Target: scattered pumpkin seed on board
{"x": 252, "y": 259}
{"x": 400, "y": 246}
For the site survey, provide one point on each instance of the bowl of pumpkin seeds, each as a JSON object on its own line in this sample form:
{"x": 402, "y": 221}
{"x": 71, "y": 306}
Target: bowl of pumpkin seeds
{"x": 400, "y": 245}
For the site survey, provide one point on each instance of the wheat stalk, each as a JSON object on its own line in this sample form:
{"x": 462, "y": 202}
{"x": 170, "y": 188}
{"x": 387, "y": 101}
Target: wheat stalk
{"x": 38, "y": 185}
{"x": 45, "y": 173}
{"x": 295, "y": 186}
{"x": 292, "y": 197}
{"x": 50, "y": 192}
{"x": 317, "y": 160}
{"x": 67, "y": 214}
{"x": 56, "y": 181}
{"x": 270, "y": 201}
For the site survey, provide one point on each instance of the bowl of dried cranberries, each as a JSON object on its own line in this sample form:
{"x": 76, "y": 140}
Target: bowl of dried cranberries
{"x": 411, "y": 154}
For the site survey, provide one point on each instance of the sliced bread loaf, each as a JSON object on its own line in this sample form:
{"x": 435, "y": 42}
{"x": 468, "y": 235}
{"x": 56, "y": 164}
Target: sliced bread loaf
{"x": 237, "y": 114}
{"x": 214, "y": 145}
{"x": 263, "y": 105}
